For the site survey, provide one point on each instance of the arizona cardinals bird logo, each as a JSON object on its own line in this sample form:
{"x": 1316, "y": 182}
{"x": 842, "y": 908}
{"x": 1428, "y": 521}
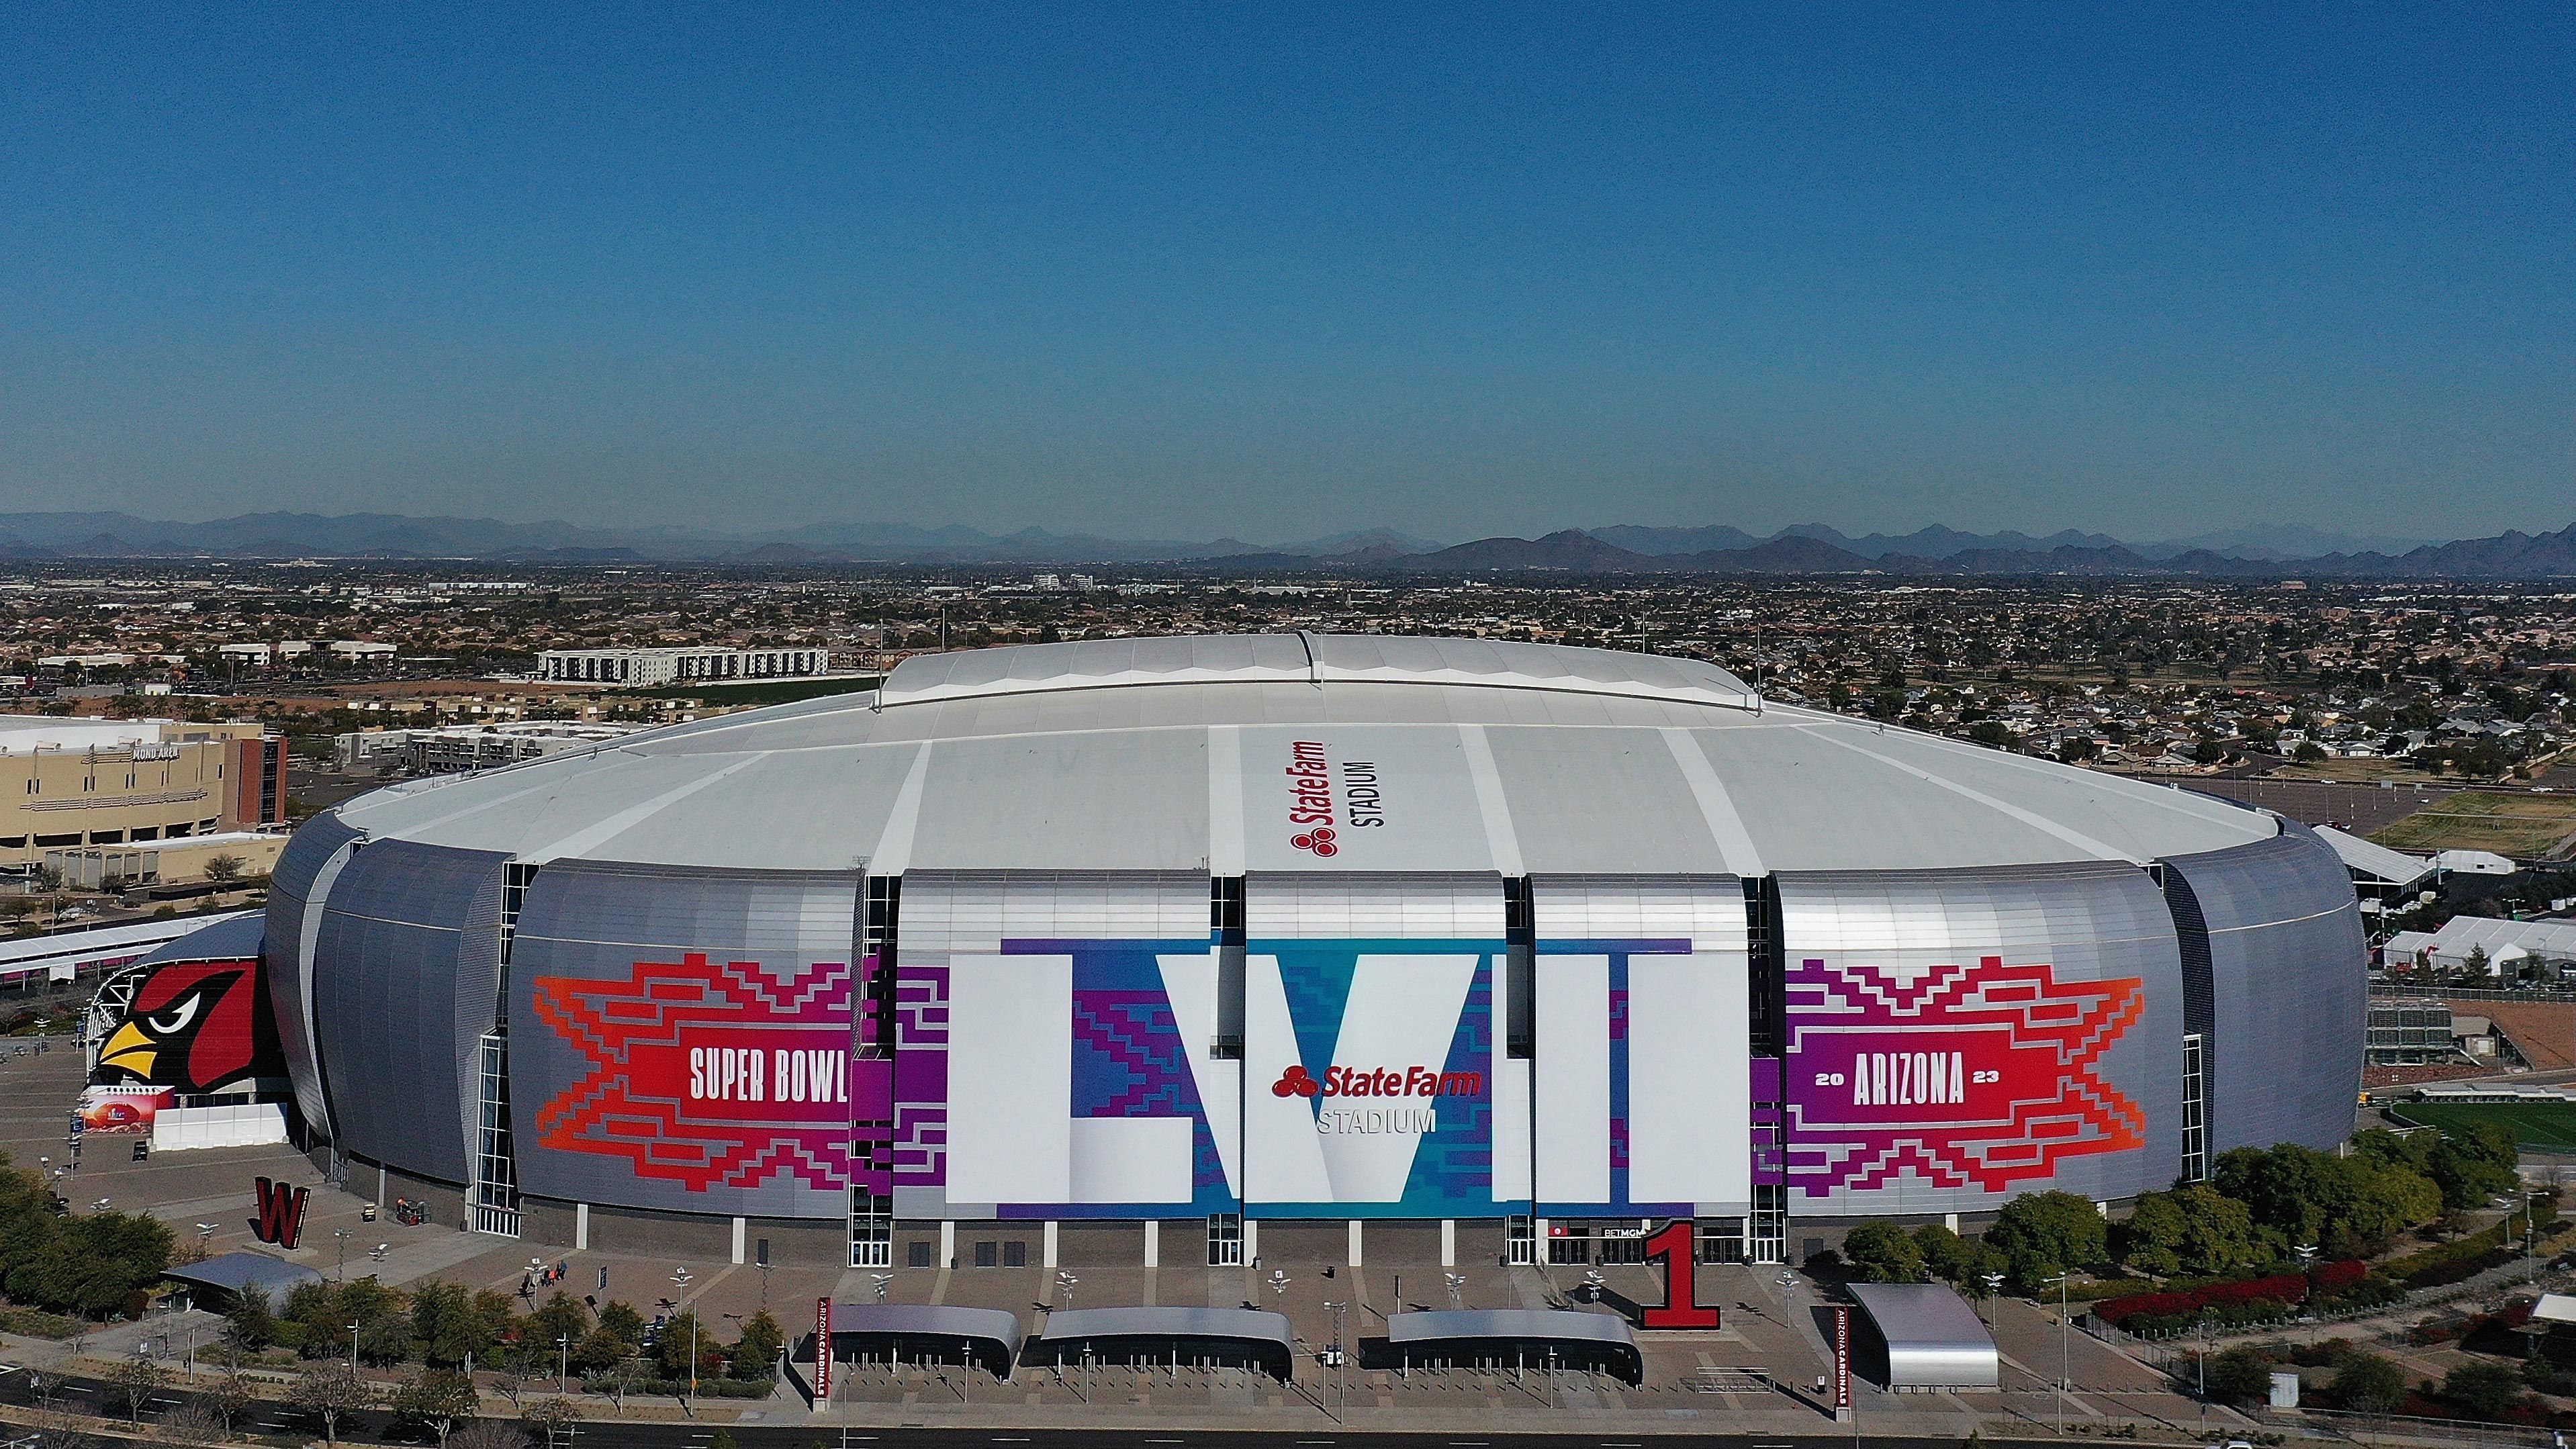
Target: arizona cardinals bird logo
{"x": 193, "y": 1025}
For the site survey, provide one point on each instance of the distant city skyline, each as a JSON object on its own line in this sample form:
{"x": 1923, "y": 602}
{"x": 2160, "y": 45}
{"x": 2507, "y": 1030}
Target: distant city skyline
{"x": 1278, "y": 275}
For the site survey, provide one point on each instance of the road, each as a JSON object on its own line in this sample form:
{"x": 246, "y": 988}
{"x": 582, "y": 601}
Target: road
{"x": 96, "y": 1397}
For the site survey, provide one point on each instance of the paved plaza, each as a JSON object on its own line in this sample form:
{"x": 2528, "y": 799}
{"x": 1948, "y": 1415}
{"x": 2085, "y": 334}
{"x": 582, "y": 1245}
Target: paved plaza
{"x": 1755, "y": 1374}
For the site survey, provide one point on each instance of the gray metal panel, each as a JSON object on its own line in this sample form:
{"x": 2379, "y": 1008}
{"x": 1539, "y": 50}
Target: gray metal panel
{"x": 591, "y": 921}
{"x": 1620, "y": 804}
{"x": 1360, "y": 906}
{"x": 1564, "y": 1325}
{"x": 1705, "y": 910}
{"x": 814, "y": 812}
{"x": 1104, "y": 773}
{"x": 1812, "y": 806}
{"x": 1934, "y": 1339}
{"x": 2290, "y": 994}
{"x": 989, "y": 1325}
{"x": 406, "y": 979}
{"x": 1999, "y": 967}
{"x": 1251, "y": 1325}
{"x": 232, "y": 1272}
{"x": 295, "y": 890}
{"x": 1127, "y": 801}
{"x": 237, "y": 939}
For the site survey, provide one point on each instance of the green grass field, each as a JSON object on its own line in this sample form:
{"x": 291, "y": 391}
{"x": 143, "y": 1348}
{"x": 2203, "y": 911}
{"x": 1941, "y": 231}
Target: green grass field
{"x": 2515, "y": 823}
{"x": 784, "y": 691}
{"x": 2548, "y": 1126}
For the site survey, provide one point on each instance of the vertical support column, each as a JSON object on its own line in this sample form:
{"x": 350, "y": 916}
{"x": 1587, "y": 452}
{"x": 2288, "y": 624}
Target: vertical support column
{"x": 739, "y": 1224}
{"x": 1153, "y": 1243}
{"x": 1251, "y": 1241}
{"x": 1448, "y": 1242}
{"x": 581, "y": 1226}
{"x": 947, "y": 1243}
{"x": 1355, "y": 1242}
{"x": 1050, "y": 1243}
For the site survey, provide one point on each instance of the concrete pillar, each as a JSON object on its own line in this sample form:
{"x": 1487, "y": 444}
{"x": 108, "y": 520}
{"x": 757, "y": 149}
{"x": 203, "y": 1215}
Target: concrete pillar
{"x": 1050, "y": 1243}
{"x": 581, "y": 1226}
{"x": 1448, "y": 1242}
{"x": 739, "y": 1224}
{"x": 1355, "y": 1242}
{"x": 947, "y": 1243}
{"x": 1251, "y": 1240}
{"x": 1950, "y": 1221}
{"x": 1153, "y": 1243}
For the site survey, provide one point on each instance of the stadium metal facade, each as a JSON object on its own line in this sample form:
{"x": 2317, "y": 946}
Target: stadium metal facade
{"x": 1528, "y": 942}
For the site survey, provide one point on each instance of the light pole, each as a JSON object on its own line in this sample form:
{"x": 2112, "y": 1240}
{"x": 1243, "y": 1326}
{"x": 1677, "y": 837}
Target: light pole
{"x": 343, "y": 1235}
{"x": 563, "y": 1359}
{"x": 353, "y": 1346}
{"x": 879, "y": 1281}
{"x": 680, "y": 1281}
{"x": 2065, "y": 1351}
{"x": 1994, "y": 1284}
{"x": 1341, "y": 1383}
{"x": 1064, "y": 1282}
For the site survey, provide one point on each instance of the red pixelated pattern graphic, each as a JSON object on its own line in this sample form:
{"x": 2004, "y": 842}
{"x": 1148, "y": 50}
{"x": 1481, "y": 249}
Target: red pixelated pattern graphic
{"x": 673, "y": 1086}
{"x": 1975, "y": 1077}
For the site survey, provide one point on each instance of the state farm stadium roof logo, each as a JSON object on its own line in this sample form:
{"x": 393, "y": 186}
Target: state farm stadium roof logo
{"x": 1970, "y": 1077}
{"x": 706, "y": 1074}
{"x": 1326, "y": 798}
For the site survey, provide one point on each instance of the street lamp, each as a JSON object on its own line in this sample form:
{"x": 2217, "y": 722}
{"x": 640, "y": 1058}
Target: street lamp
{"x": 879, "y": 1281}
{"x": 1279, "y": 1282}
{"x": 1341, "y": 1380}
{"x": 2065, "y": 1351}
{"x": 343, "y": 1235}
{"x": 1457, "y": 1286}
{"x": 563, "y": 1359}
{"x": 680, "y": 1280}
{"x": 1064, "y": 1282}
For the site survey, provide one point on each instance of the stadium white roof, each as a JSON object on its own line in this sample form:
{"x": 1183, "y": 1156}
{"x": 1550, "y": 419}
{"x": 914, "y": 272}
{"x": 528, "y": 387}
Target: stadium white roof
{"x": 2370, "y": 858}
{"x": 1186, "y": 754}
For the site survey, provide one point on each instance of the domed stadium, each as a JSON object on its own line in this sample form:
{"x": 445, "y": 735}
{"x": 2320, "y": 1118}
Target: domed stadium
{"x": 1304, "y": 935}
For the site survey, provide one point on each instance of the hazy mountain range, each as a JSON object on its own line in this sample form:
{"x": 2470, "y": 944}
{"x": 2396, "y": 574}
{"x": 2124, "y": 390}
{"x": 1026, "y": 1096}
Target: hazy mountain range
{"x": 1624, "y": 548}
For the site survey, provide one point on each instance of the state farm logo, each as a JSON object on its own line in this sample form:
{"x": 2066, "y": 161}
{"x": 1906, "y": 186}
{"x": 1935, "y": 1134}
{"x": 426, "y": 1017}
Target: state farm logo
{"x": 1325, "y": 798}
{"x": 1377, "y": 1082}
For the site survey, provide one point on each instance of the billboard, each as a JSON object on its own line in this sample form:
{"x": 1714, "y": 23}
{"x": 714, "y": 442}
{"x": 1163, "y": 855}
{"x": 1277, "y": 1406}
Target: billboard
{"x": 121, "y": 1111}
{"x": 1057, "y": 1048}
{"x": 682, "y": 1039}
{"x": 192, "y": 1026}
{"x": 1639, "y": 1100}
{"x": 1955, "y": 1037}
{"x": 1370, "y": 1046}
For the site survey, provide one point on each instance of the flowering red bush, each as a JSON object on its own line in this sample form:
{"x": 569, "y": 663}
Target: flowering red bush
{"x": 2287, "y": 1288}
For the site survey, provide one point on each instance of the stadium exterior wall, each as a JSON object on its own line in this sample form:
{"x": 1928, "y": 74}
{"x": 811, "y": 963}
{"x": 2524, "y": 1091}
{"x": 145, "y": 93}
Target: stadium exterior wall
{"x": 1092, "y": 1082}
{"x": 1506, "y": 1001}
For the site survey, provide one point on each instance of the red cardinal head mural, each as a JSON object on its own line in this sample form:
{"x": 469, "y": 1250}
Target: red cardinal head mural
{"x": 193, "y": 1025}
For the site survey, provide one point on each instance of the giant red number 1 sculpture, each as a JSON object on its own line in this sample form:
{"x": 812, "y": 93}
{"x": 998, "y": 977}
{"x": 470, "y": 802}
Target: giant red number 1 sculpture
{"x": 1673, "y": 1245}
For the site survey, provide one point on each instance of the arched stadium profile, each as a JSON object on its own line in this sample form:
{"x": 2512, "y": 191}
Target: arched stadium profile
{"x": 1300, "y": 929}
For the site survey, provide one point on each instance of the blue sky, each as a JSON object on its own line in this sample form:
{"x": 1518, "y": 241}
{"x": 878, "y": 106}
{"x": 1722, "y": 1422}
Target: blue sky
{"x": 1277, "y": 271}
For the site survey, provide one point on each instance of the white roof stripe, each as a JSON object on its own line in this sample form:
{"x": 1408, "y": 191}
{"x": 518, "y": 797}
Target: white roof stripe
{"x": 1734, "y": 842}
{"x": 2033, "y": 819}
{"x": 1496, "y": 810}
